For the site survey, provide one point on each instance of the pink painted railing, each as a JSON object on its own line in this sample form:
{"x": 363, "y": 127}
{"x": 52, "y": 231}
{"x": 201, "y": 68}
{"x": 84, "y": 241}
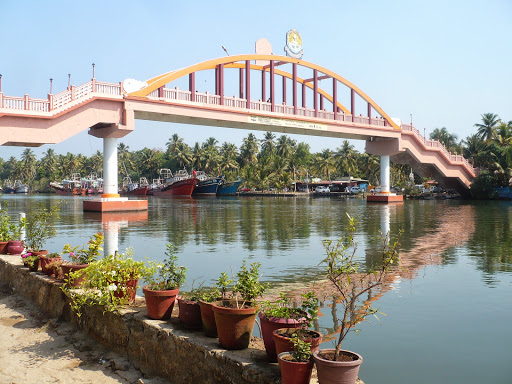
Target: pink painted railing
{"x": 85, "y": 91}
{"x": 61, "y": 99}
{"x": 437, "y": 144}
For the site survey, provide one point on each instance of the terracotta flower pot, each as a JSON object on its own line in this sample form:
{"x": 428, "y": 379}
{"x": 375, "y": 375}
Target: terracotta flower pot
{"x": 15, "y": 247}
{"x": 129, "y": 291}
{"x": 159, "y": 304}
{"x": 337, "y": 372}
{"x": 48, "y": 260}
{"x": 269, "y": 325}
{"x": 68, "y": 268}
{"x": 39, "y": 253}
{"x": 293, "y": 372}
{"x": 282, "y": 339}
{"x": 3, "y": 247}
{"x": 234, "y": 325}
{"x": 208, "y": 319}
{"x": 190, "y": 314}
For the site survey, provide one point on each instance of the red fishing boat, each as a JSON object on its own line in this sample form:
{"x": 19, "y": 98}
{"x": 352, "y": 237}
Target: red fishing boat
{"x": 134, "y": 189}
{"x": 181, "y": 184}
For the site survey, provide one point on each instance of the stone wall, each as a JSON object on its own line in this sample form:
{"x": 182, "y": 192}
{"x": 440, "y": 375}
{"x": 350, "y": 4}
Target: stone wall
{"x": 161, "y": 348}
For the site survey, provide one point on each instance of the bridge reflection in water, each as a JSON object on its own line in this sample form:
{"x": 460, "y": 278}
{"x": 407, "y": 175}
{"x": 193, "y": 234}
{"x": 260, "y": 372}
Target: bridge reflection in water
{"x": 455, "y": 227}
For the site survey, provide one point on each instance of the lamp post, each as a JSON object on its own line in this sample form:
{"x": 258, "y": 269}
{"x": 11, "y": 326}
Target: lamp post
{"x": 424, "y": 133}
{"x": 225, "y": 50}
{"x": 93, "y": 65}
{"x": 0, "y": 82}
{"x": 51, "y": 86}
{"x": 69, "y": 80}
{"x": 411, "y": 120}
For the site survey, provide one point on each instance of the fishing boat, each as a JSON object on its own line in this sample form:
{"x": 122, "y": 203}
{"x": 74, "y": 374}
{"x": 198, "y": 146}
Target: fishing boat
{"x": 71, "y": 186}
{"x": 8, "y": 187}
{"x": 229, "y": 188}
{"x": 134, "y": 189}
{"x": 207, "y": 185}
{"x": 19, "y": 187}
{"x": 181, "y": 184}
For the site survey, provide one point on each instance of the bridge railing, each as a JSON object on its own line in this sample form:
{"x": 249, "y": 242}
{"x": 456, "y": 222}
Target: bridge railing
{"x": 61, "y": 99}
{"x": 437, "y": 144}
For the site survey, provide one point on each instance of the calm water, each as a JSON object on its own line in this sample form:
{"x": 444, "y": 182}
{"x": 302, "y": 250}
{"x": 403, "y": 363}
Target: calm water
{"x": 448, "y": 309}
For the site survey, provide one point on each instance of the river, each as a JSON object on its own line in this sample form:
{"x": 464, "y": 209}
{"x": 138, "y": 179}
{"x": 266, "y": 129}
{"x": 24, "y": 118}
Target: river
{"x": 448, "y": 309}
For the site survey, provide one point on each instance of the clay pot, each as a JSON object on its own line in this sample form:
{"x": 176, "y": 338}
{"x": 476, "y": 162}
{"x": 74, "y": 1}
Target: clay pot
{"x": 190, "y": 313}
{"x": 337, "y": 372}
{"x": 283, "y": 342}
{"x": 293, "y": 372}
{"x": 68, "y": 268}
{"x": 15, "y": 247}
{"x": 159, "y": 304}
{"x": 208, "y": 319}
{"x": 234, "y": 325}
{"x": 39, "y": 253}
{"x": 269, "y": 325}
{"x": 3, "y": 247}
{"x": 44, "y": 264}
{"x": 129, "y": 292}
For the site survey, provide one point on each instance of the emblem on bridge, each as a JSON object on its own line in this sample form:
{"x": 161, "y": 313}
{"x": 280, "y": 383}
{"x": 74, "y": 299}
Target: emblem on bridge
{"x": 293, "y": 47}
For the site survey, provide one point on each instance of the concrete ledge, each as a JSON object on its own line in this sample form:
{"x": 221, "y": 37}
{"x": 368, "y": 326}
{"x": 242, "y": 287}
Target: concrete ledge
{"x": 115, "y": 205}
{"x": 157, "y": 348}
{"x": 385, "y": 198}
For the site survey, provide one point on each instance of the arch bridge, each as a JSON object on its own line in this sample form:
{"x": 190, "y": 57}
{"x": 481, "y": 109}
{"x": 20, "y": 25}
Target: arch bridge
{"x": 269, "y": 93}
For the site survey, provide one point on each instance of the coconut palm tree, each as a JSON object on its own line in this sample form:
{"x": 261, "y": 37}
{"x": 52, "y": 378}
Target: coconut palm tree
{"x": 444, "y": 137}
{"x": 49, "y": 164}
{"x": 28, "y": 164}
{"x": 487, "y": 130}
{"x": 285, "y": 146}
{"x": 249, "y": 150}
{"x": 472, "y": 146}
{"x": 268, "y": 144}
{"x": 324, "y": 163}
{"x": 346, "y": 159}
{"x": 229, "y": 153}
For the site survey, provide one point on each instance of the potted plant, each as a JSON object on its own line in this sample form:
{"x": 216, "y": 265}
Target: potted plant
{"x": 81, "y": 258}
{"x": 15, "y": 246}
{"x": 190, "y": 311}
{"x": 50, "y": 262}
{"x": 5, "y": 234}
{"x": 110, "y": 281}
{"x": 296, "y": 366}
{"x": 352, "y": 282}
{"x": 235, "y": 318}
{"x": 31, "y": 261}
{"x": 160, "y": 292}
{"x": 208, "y": 297}
{"x": 39, "y": 228}
{"x": 283, "y": 314}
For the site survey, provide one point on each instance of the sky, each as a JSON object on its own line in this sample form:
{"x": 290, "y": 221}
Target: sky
{"x": 442, "y": 63}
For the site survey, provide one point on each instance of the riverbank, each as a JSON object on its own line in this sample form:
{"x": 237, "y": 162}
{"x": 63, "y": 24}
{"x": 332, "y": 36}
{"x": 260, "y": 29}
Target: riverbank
{"x": 156, "y": 348}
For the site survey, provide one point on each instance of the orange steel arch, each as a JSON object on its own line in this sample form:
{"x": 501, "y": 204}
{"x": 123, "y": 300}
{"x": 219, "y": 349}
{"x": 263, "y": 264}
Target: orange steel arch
{"x": 161, "y": 80}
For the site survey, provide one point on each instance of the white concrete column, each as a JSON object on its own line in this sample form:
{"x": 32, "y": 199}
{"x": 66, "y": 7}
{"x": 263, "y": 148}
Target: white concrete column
{"x": 110, "y": 187}
{"x": 384, "y": 174}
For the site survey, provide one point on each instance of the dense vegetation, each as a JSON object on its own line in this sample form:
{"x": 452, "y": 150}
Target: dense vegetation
{"x": 273, "y": 161}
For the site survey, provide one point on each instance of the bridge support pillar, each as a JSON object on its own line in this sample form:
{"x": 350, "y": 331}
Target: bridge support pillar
{"x": 385, "y": 196}
{"x": 110, "y": 199}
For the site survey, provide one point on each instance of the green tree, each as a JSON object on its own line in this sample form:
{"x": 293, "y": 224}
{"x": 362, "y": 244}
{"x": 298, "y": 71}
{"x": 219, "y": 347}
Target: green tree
{"x": 487, "y": 130}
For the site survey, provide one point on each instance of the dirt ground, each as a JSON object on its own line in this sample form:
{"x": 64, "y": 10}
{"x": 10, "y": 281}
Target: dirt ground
{"x": 36, "y": 349}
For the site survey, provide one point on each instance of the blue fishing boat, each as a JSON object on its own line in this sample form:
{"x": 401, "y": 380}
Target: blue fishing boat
{"x": 207, "y": 185}
{"x": 229, "y": 188}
